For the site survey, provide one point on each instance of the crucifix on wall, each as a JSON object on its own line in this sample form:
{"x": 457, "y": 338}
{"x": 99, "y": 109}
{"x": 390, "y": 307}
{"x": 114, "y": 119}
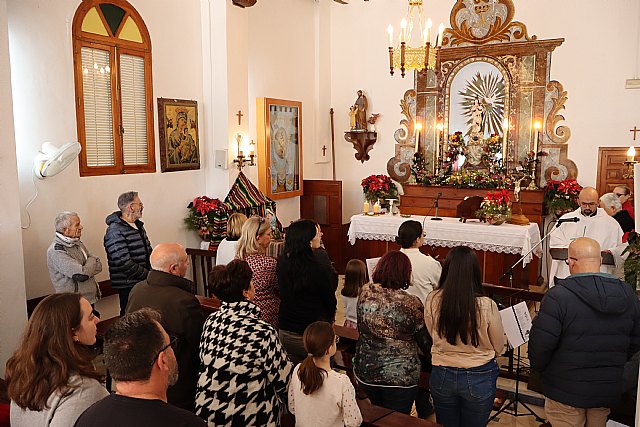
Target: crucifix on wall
{"x": 239, "y": 117}
{"x": 635, "y": 130}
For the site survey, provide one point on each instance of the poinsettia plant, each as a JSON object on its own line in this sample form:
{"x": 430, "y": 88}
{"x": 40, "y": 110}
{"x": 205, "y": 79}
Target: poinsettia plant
{"x": 561, "y": 197}
{"x": 379, "y": 187}
{"x": 204, "y": 213}
{"x": 495, "y": 203}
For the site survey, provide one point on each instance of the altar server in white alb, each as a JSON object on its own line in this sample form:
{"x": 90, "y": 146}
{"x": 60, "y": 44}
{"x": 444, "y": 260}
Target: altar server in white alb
{"x": 592, "y": 222}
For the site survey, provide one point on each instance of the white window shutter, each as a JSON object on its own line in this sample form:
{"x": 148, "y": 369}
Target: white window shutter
{"x": 134, "y": 110}
{"x": 98, "y": 118}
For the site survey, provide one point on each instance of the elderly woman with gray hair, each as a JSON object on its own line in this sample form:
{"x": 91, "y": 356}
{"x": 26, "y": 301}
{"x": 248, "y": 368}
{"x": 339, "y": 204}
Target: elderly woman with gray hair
{"x": 610, "y": 202}
{"x": 72, "y": 267}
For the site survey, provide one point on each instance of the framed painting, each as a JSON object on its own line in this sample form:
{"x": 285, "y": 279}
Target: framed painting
{"x": 279, "y": 147}
{"x": 179, "y": 139}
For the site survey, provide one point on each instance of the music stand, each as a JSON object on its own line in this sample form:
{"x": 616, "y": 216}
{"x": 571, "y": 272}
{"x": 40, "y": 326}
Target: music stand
{"x": 561, "y": 254}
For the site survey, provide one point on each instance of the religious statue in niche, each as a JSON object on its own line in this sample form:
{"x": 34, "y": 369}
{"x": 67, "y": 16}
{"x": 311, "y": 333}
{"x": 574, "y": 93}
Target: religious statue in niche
{"x": 361, "y": 105}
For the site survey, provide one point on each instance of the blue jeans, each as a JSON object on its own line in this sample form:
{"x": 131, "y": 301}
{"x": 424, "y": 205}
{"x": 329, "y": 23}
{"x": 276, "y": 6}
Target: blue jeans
{"x": 398, "y": 399}
{"x": 464, "y": 397}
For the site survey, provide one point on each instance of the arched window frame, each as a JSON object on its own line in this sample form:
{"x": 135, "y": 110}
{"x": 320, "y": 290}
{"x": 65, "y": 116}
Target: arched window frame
{"x": 116, "y": 47}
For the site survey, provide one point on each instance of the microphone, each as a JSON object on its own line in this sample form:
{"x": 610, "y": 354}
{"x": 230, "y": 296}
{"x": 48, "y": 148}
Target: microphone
{"x": 439, "y": 195}
{"x": 562, "y": 221}
{"x": 435, "y": 203}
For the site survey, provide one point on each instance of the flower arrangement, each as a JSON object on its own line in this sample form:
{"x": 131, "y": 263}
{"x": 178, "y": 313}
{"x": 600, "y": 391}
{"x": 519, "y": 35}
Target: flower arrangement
{"x": 379, "y": 187}
{"x": 496, "y": 207}
{"x": 561, "y": 197}
{"x": 206, "y": 216}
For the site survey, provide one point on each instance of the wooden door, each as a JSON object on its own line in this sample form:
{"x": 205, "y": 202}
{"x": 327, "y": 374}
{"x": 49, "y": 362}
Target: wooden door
{"x": 612, "y": 170}
{"x": 322, "y": 202}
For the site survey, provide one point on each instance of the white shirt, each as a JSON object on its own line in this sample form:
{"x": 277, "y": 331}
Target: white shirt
{"x": 350, "y": 305}
{"x": 425, "y": 273}
{"x": 226, "y": 252}
{"x": 600, "y": 227}
{"x": 332, "y": 405}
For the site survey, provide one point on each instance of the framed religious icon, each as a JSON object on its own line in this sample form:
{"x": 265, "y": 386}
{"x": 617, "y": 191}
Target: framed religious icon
{"x": 279, "y": 147}
{"x": 179, "y": 140}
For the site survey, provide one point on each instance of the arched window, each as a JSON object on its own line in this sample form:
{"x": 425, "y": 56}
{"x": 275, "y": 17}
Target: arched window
{"x": 112, "y": 67}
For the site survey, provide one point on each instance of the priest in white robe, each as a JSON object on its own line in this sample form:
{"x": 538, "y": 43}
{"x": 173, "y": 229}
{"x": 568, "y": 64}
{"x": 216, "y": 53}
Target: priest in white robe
{"x": 593, "y": 222}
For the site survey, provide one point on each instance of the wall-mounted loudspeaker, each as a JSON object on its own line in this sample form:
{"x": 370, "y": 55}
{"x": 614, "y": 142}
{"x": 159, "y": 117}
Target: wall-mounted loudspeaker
{"x": 221, "y": 159}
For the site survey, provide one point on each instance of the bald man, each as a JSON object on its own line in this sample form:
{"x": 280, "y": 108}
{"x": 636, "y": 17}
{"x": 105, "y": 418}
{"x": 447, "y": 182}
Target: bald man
{"x": 166, "y": 290}
{"x": 592, "y": 222}
{"x": 588, "y": 326}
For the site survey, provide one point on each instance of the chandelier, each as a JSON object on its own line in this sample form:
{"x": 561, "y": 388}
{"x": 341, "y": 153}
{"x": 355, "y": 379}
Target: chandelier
{"x": 414, "y": 57}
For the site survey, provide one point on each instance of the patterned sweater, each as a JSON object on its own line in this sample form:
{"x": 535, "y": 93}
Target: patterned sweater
{"x": 244, "y": 371}
{"x": 265, "y": 281}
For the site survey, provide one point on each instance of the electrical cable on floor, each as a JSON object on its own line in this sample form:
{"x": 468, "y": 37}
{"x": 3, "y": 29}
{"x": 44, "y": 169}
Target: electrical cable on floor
{"x": 26, "y": 208}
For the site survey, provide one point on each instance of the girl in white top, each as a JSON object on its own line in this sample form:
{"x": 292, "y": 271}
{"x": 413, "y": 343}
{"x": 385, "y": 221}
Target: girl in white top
{"x": 319, "y": 396}
{"x": 355, "y": 277}
{"x": 227, "y": 248}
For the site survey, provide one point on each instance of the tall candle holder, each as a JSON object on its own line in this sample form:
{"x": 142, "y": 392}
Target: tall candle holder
{"x": 241, "y": 160}
{"x": 628, "y": 174}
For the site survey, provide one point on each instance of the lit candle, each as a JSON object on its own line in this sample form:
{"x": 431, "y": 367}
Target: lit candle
{"x": 390, "y": 31}
{"x": 418, "y": 127}
{"x": 428, "y": 30}
{"x": 376, "y": 208}
{"x": 440, "y": 34}
{"x": 537, "y": 126}
{"x": 252, "y": 147}
{"x": 631, "y": 152}
{"x": 505, "y": 133}
{"x": 403, "y": 30}
{"x": 365, "y": 207}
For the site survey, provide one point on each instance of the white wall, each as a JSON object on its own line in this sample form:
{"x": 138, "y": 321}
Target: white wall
{"x": 598, "y": 55}
{"x": 13, "y": 309}
{"x": 42, "y": 79}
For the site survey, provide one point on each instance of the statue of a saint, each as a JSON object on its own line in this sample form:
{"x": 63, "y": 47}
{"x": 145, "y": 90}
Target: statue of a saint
{"x": 353, "y": 111}
{"x": 361, "y": 113}
{"x": 477, "y": 117}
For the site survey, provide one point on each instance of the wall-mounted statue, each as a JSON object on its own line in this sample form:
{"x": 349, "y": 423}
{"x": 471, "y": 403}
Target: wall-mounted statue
{"x": 361, "y": 105}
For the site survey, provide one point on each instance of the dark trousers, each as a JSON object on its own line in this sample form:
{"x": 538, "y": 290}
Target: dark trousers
{"x": 293, "y": 345}
{"x": 123, "y": 293}
{"x": 464, "y": 397}
{"x": 399, "y": 399}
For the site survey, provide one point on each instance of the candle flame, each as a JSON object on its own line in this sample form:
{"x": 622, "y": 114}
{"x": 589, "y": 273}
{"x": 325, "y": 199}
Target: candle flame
{"x": 440, "y": 126}
{"x": 537, "y": 125}
{"x": 418, "y": 126}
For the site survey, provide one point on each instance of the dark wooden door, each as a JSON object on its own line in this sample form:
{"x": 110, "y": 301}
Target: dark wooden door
{"x": 322, "y": 202}
{"x": 612, "y": 170}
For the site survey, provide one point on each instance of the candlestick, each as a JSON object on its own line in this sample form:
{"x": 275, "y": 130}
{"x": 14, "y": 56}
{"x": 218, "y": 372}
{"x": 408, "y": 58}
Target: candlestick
{"x": 365, "y": 207}
{"x": 439, "y": 127}
{"x": 631, "y": 153}
{"x": 376, "y": 208}
{"x": 429, "y": 25}
{"x": 390, "y": 31}
{"x": 417, "y": 127}
{"x": 403, "y": 30}
{"x": 440, "y": 34}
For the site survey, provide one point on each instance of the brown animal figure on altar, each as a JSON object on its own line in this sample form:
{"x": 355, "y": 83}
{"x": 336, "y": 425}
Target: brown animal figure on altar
{"x": 467, "y": 208}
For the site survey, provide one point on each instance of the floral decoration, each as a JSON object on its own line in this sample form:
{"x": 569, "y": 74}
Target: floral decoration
{"x": 561, "y": 197}
{"x": 204, "y": 216}
{"x": 496, "y": 207}
{"x": 379, "y": 187}
{"x": 632, "y": 263}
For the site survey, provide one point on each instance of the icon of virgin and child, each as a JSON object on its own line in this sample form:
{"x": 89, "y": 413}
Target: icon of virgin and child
{"x": 284, "y": 151}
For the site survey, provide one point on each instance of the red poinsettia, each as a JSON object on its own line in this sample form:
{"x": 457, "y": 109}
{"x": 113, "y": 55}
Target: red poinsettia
{"x": 561, "y": 196}
{"x": 202, "y": 215}
{"x": 377, "y": 187}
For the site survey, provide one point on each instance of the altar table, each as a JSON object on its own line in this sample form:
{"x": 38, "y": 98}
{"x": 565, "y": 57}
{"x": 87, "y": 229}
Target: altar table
{"x": 489, "y": 241}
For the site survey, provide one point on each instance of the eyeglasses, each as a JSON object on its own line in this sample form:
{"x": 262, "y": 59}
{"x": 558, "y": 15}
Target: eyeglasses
{"x": 173, "y": 343}
{"x": 589, "y": 204}
{"x": 566, "y": 261}
{"x": 262, "y": 220}
{"x": 337, "y": 339}
{"x": 619, "y": 194}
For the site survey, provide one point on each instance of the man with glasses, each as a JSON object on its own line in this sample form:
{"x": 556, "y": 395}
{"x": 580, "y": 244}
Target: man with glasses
{"x": 127, "y": 245}
{"x": 140, "y": 357}
{"x": 592, "y": 222}
{"x": 588, "y": 326}
{"x": 165, "y": 289}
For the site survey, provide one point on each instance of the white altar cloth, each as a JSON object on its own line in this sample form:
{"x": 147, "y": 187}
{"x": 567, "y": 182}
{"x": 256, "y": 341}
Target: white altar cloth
{"x": 450, "y": 232}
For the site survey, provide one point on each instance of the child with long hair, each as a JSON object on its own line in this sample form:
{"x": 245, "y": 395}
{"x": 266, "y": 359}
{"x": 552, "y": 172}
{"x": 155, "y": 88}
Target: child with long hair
{"x": 355, "y": 277}
{"x": 318, "y": 395}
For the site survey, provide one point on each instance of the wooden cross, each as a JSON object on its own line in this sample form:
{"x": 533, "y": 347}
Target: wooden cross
{"x": 634, "y": 130}
{"x": 324, "y": 150}
{"x": 240, "y": 117}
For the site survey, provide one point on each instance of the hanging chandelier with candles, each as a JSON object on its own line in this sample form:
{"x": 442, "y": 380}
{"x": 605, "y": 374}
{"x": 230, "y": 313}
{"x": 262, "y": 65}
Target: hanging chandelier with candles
{"x": 414, "y": 57}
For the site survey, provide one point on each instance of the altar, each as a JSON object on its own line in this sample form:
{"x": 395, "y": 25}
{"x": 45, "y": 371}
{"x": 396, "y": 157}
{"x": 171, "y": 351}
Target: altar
{"x": 497, "y": 247}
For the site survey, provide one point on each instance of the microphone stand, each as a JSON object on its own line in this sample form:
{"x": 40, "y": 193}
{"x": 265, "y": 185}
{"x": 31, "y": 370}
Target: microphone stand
{"x": 516, "y": 397}
{"x": 435, "y": 203}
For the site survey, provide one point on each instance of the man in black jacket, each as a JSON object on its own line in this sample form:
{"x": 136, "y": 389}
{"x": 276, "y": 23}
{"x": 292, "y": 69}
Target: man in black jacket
{"x": 127, "y": 245}
{"x": 587, "y": 328}
{"x": 167, "y": 291}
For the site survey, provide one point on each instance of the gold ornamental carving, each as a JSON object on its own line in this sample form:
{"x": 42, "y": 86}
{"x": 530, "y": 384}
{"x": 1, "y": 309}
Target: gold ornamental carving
{"x": 557, "y": 134}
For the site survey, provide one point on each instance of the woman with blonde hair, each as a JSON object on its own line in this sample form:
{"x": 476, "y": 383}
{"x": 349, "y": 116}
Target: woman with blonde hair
{"x": 252, "y": 247}
{"x": 51, "y": 378}
{"x": 229, "y": 245}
